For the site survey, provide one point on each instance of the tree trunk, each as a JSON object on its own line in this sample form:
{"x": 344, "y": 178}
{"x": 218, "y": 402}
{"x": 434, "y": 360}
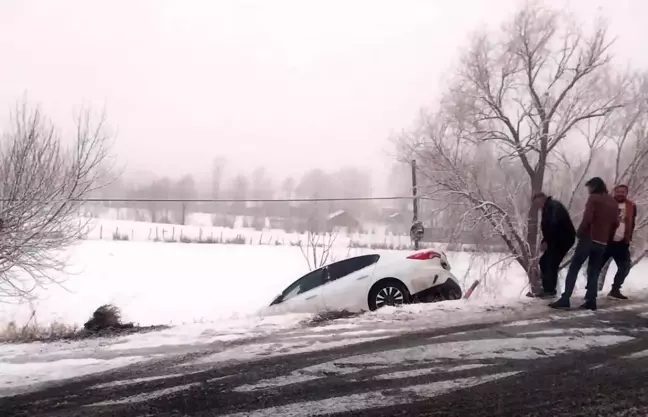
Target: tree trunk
{"x": 533, "y": 269}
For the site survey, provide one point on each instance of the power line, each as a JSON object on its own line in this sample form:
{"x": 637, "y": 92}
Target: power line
{"x": 227, "y": 200}
{"x": 234, "y": 200}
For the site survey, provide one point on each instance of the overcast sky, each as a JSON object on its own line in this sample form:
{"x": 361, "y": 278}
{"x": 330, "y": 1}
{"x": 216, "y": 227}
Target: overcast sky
{"x": 289, "y": 84}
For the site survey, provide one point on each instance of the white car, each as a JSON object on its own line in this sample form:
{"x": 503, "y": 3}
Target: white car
{"x": 369, "y": 282}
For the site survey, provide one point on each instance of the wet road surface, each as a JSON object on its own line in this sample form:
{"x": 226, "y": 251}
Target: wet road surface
{"x": 577, "y": 364}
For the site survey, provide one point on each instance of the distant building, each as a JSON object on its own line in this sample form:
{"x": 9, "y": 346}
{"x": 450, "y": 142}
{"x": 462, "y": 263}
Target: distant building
{"x": 342, "y": 218}
{"x": 397, "y": 223}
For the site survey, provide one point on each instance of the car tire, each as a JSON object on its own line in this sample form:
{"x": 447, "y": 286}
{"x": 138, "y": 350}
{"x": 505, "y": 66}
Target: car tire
{"x": 449, "y": 290}
{"x": 388, "y": 292}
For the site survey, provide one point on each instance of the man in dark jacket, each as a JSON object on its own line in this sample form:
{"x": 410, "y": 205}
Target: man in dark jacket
{"x": 558, "y": 236}
{"x": 600, "y": 221}
{"x": 619, "y": 247}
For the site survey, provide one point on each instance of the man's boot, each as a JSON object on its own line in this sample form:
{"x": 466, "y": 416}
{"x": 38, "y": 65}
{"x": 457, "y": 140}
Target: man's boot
{"x": 616, "y": 293}
{"x": 561, "y": 304}
{"x": 542, "y": 294}
{"x": 589, "y": 305}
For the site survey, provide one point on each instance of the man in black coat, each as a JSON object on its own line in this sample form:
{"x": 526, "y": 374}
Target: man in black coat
{"x": 558, "y": 236}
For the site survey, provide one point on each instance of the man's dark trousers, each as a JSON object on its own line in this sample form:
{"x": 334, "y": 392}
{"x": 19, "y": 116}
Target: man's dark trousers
{"x": 550, "y": 265}
{"x": 620, "y": 252}
{"x": 593, "y": 252}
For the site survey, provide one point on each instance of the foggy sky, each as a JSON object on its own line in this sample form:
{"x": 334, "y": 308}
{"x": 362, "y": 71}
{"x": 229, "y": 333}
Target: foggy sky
{"x": 288, "y": 84}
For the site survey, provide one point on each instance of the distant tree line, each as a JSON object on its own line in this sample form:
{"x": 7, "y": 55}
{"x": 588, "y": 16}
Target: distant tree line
{"x": 259, "y": 184}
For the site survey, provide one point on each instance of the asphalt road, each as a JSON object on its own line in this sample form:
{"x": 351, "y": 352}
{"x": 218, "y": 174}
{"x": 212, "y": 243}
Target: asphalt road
{"x": 578, "y": 364}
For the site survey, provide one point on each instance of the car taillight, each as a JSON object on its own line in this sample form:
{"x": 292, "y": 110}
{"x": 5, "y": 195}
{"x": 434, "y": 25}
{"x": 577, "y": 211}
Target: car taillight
{"x": 425, "y": 256}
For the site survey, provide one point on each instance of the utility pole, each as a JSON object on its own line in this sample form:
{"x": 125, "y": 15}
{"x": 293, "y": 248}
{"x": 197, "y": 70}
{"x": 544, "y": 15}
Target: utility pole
{"x": 414, "y": 201}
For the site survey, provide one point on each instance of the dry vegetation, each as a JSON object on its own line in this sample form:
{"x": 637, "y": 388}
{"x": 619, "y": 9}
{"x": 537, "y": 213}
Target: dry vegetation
{"x": 104, "y": 322}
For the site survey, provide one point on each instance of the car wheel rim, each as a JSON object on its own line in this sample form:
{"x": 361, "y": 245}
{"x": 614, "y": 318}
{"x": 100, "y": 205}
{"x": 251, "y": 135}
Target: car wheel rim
{"x": 389, "y": 296}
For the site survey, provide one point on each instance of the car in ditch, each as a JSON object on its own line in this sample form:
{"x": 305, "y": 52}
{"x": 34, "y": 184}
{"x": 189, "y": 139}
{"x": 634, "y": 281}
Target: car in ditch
{"x": 369, "y": 282}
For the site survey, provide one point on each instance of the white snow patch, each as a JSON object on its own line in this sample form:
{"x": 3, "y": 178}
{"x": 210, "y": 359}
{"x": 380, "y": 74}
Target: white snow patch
{"x": 334, "y": 327}
{"x": 246, "y": 352}
{"x": 578, "y": 332}
{"x": 218, "y": 378}
{"x": 426, "y": 371}
{"x": 370, "y": 400}
{"x": 527, "y": 322}
{"x": 16, "y": 378}
{"x": 146, "y": 396}
{"x": 636, "y": 355}
{"x": 277, "y": 382}
{"x": 133, "y": 381}
{"x": 205, "y": 333}
{"x": 506, "y": 348}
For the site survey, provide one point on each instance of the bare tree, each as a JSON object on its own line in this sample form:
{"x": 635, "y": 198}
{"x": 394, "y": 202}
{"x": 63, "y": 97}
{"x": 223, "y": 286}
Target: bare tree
{"x": 184, "y": 189}
{"x": 42, "y": 180}
{"x": 518, "y": 96}
{"x": 317, "y": 249}
{"x": 616, "y": 149}
{"x": 218, "y": 171}
{"x": 319, "y": 238}
{"x": 628, "y": 158}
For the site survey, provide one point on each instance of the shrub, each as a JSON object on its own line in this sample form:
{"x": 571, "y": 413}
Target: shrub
{"x": 105, "y": 317}
{"x": 117, "y": 236}
{"x": 238, "y": 240}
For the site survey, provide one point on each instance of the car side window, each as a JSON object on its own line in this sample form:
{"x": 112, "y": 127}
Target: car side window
{"x": 343, "y": 268}
{"x": 306, "y": 283}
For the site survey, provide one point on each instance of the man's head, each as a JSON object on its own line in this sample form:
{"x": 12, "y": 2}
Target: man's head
{"x": 621, "y": 193}
{"x": 596, "y": 185}
{"x": 539, "y": 199}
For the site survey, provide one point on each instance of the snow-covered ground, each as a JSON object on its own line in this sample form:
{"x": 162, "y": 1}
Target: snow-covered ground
{"x": 175, "y": 283}
{"x": 212, "y": 293}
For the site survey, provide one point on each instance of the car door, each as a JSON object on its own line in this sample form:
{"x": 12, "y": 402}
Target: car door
{"x": 348, "y": 283}
{"x": 303, "y": 295}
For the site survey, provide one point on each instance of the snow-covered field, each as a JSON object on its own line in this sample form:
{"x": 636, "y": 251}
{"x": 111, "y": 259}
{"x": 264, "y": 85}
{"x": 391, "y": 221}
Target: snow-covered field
{"x": 212, "y": 295}
{"x": 198, "y": 228}
{"x": 175, "y": 283}
{"x": 199, "y": 225}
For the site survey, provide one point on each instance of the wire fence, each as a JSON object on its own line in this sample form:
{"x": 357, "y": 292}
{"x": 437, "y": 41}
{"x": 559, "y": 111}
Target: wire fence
{"x": 349, "y": 212}
{"x": 369, "y": 222}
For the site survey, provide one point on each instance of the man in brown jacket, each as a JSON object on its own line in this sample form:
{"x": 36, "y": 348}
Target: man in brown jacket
{"x": 619, "y": 247}
{"x": 600, "y": 221}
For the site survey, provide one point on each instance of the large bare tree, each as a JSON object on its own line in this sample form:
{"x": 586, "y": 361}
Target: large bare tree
{"x": 519, "y": 95}
{"x": 43, "y": 177}
{"x": 614, "y": 147}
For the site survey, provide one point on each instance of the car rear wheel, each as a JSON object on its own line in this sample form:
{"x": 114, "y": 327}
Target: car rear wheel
{"x": 449, "y": 290}
{"x": 388, "y": 293}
